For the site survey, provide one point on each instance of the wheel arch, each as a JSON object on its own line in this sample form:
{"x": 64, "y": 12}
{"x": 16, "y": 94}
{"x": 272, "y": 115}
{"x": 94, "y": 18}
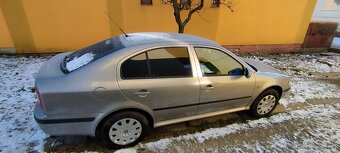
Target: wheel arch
{"x": 277, "y": 88}
{"x": 143, "y": 112}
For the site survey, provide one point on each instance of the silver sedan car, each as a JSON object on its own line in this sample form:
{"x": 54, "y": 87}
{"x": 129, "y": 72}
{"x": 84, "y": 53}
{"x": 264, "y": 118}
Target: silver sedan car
{"x": 122, "y": 87}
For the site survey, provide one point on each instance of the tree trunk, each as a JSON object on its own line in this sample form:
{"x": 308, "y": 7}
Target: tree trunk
{"x": 180, "y": 29}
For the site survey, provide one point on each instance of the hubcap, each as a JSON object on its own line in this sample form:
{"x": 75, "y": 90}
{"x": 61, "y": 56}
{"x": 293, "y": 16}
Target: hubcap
{"x": 125, "y": 131}
{"x": 266, "y": 104}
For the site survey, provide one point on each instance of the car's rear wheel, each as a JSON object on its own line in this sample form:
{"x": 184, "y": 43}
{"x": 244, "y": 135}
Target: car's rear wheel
{"x": 124, "y": 129}
{"x": 265, "y": 103}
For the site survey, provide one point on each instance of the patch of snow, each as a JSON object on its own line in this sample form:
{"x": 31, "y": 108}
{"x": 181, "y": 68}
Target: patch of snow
{"x": 126, "y": 150}
{"x": 160, "y": 144}
{"x": 78, "y": 62}
{"x": 137, "y": 38}
{"x": 146, "y": 36}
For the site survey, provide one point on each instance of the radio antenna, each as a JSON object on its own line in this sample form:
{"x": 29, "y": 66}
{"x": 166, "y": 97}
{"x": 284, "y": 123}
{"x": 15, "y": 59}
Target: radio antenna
{"x": 116, "y": 24}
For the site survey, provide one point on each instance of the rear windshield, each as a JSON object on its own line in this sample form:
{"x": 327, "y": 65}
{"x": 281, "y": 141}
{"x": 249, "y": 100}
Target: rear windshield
{"x": 86, "y": 55}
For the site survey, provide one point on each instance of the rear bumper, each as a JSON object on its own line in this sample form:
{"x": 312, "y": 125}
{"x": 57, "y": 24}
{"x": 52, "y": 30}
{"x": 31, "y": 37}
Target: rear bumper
{"x": 65, "y": 126}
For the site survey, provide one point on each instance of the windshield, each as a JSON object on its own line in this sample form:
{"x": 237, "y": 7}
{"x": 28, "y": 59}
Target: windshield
{"x": 91, "y": 53}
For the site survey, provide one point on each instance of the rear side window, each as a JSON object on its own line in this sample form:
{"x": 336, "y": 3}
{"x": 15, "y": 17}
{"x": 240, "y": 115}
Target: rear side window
{"x": 159, "y": 63}
{"x": 91, "y": 53}
{"x": 135, "y": 67}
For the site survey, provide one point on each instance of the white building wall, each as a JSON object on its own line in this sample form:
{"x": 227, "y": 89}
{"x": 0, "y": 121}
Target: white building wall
{"x": 327, "y": 10}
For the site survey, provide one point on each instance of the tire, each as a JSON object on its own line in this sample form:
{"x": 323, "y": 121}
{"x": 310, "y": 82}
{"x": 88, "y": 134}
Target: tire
{"x": 124, "y": 129}
{"x": 265, "y": 103}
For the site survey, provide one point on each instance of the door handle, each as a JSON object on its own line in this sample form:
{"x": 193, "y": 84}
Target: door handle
{"x": 142, "y": 93}
{"x": 208, "y": 87}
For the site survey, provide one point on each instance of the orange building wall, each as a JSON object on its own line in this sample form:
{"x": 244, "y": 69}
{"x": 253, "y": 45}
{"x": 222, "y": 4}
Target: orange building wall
{"x": 5, "y": 36}
{"x": 37, "y": 26}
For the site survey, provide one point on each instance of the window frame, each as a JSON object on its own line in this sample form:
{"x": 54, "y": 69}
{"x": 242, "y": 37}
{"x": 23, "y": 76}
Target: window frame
{"x": 143, "y": 3}
{"x": 144, "y": 51}
{"x": 244, "y": 68}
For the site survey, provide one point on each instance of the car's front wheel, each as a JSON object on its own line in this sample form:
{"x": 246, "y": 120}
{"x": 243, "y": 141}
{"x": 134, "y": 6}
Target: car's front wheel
{"x": 124, "y": 129}
{"x": 265, "y": 103}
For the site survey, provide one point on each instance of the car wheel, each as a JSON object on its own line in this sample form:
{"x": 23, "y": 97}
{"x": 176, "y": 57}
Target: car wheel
{"x": 265, "y": 103}
{"x": 124, "y": 129}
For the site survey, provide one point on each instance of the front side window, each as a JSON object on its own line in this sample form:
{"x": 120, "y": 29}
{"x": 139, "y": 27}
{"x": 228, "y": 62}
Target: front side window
{"x": 215, "y": 62}
{"x": 158, "y": 63}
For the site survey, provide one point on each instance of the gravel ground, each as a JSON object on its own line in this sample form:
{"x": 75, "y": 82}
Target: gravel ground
{"x": 307, "y": 119}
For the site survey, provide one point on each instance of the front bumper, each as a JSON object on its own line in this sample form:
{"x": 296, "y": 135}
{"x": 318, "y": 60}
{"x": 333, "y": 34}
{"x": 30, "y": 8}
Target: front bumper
{"x": 65, "y": 126}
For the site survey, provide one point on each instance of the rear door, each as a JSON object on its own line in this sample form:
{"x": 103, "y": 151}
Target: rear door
{"x": 223, "y": 83}
{"x": 163, "y": 79}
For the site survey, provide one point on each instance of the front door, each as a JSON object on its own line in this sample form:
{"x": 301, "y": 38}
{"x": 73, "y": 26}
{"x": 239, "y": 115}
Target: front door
{"x": 162, "y": 80}
{"x": 223, "y": 84}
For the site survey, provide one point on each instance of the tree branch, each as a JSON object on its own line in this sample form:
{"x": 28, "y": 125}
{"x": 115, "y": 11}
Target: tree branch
{"x": 197, "y": 8}
{"x": 228, "y": 4}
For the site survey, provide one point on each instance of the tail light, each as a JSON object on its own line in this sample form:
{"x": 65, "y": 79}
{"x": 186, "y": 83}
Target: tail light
{"x": 39, "y": 99}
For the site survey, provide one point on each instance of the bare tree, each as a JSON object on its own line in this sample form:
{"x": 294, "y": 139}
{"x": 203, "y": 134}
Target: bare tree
{"x": 187, "y": 5}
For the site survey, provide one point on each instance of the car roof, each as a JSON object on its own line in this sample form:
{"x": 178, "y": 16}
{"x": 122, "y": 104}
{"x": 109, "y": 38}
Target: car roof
{"x": 164, "y": 38}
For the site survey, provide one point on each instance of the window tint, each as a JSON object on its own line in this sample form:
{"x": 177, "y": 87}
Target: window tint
{"x": 169, "y": 62}
{"x": 135, "y": 67}
{"x": 215, "y": 62}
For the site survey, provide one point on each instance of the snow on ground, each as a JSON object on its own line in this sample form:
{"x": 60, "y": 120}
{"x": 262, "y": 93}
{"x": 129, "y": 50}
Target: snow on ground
{"x": 316, "y": 113}
{"x": 300, "y": 65}
{"x": 18, "y": 128}
{"x": 304, "y": 85}
{"x": 19, "y": 131}
{"x": 307, "y": 88}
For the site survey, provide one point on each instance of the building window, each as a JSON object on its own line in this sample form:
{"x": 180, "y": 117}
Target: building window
{"x": 215, "y": 3}
{"x": 146, "y": 2}
{"x": 330, "y": 5}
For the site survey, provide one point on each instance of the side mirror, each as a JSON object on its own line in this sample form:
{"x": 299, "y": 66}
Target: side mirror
{"x": 237, "y": 71}
{"x": 247, "y": 73}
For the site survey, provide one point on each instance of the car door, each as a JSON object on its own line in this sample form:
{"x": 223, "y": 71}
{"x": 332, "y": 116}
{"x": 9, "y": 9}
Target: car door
{"x": 162, "y": 79}
{"x": 223, "y": 83}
